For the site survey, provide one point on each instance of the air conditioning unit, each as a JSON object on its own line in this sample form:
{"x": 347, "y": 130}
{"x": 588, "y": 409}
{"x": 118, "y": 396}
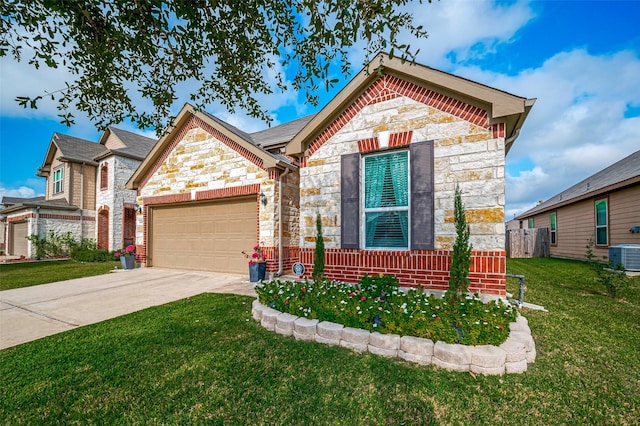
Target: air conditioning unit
{"x": 627, "y": 255}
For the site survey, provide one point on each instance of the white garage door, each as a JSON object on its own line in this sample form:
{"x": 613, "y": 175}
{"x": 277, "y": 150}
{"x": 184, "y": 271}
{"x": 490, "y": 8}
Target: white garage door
{"x": 205, "y": 237}
{"x": 19, "y": 239}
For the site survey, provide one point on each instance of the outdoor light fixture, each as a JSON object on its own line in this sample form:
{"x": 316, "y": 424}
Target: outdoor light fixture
{"x": 137, "y": 207}
{"x": 263, "y": 199}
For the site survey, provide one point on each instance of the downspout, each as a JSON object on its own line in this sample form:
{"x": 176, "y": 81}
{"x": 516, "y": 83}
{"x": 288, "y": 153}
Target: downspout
{"x": 81, "y": 201}
{"x": 277, "y": 274}
{"x": 37, "y": 226}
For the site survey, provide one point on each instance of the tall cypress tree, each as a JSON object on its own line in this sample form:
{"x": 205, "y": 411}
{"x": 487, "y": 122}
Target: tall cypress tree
{"x": 461, "y": 257}
{"x": 318, "y": 258}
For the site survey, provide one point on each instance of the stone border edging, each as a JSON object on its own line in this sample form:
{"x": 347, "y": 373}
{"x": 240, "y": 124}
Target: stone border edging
{"x": 513, "y": 356}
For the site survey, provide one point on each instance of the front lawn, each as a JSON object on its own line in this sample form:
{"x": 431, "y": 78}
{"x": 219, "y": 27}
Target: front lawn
{"x": 205, "y": 361}
{"x": 25, "y": 274}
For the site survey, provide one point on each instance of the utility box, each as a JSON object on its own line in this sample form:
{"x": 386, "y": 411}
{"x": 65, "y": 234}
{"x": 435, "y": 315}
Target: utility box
{"x": 627, "y": 255}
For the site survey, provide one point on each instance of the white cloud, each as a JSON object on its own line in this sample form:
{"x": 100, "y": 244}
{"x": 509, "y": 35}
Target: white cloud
{"x": 21, "y": 192}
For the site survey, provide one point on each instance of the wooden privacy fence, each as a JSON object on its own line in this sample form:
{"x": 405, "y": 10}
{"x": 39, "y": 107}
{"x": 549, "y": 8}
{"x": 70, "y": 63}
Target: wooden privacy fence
{"x": 532, "y": 242}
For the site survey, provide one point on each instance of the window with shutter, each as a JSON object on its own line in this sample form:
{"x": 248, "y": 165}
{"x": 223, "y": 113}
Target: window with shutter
{"x": 396, "y": 209}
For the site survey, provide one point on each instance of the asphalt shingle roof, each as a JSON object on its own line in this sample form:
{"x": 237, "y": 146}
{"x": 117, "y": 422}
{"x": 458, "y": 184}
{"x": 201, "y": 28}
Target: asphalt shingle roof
{"x": 282, "y": 133}
{"x": 138, "y": 146}
{"x": 77, "y": 149}
{"x": 625, "y": 169}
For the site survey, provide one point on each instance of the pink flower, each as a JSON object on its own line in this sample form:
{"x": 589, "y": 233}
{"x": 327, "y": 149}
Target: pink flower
{"x": 363, "y": 298}
{"x": 130, "y": 248}
{"x": 255, "y": 255}
{"x": 116, "y": 254}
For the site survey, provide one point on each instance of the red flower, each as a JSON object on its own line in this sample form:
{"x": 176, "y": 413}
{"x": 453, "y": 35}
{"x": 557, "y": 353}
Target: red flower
{"x": 303, "y": 289}
{"x": 438, "y": 319}
{"x": 275, "y": 295}
{"x": 286, "y": 302}
{"x": 351, "y": 294}
{"x": 446, "y": 312}
{"x": 363, "y": 298}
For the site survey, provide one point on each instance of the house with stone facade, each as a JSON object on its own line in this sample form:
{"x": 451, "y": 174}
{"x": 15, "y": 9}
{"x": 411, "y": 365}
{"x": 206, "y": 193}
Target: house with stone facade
{"x": 85, "y": 192}
{"x": 379, "y": 164}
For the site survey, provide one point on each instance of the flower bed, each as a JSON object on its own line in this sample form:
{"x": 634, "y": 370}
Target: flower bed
{"x": 377, "y": 316}
{"x": 512, "y": 356}
{"x": 378, "y": 304}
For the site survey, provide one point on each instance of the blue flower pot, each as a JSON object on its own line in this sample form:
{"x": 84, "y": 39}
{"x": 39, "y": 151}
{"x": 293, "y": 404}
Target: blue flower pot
{"x": 257, "y": 271}
{"x": 128, "y": 262}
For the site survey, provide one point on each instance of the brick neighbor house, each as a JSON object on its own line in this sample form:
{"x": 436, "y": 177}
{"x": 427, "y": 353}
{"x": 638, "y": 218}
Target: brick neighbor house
{"x": 85, "y": 192}
{"x": 379, "y": 163}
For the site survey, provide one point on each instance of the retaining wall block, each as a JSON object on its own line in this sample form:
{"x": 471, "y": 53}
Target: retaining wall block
{"x": 487, "y": 356}
{"x": 356, "y": 335}
{"x": 487, "y": 371}
{"x": 256, "y": 310}
{"x": 523, "y": 337}
{"x": 330, "y": 330}
{"x": 516, "y": 367}
{"x": 285, "y": 324}
{"x": 520, "y": 324}
{"x": 452, "y": 353}
{"x": 531, "y": 355}
{"x": 327, "y": 341}
{"x": 384, "y": 341}
{"x": 305, "y": 329}
{"x": 389, "y": 353}
{"x": 417, "y": 346}
{"x": 449, "y": 366}
{"x": 515, "y": 350}
{"x": 269, "y": 318}
{"x": 420, "y": 359}
{"x": 358, "y": 347}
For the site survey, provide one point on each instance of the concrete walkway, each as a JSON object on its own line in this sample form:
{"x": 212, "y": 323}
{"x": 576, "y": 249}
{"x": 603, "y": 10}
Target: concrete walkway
{"x": 33, "y": 312}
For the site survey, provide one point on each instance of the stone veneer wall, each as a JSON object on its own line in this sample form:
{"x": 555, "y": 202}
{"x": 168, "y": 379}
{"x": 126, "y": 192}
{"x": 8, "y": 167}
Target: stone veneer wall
{"x": 203, "y": 164}
{"x": 57, "y": 221}
{"x": 513, "y": 356}
{"x": 116, "y": 195}
{"x": 467, "y": 151}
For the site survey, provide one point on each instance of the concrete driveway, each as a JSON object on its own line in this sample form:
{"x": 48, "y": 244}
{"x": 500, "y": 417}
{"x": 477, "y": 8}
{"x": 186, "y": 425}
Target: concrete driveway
{"x": 33, "y": 312}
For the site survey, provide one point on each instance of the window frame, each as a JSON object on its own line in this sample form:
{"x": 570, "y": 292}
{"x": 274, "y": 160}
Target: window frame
{"x": 364, "y": 210}
{"x": 58, "y": 182}
{"x": 553, "y": 228}
{"x": 104, "y": 177}
{"x": 606, "y": 224}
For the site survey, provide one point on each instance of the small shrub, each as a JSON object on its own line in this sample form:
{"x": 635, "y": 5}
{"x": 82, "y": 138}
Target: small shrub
{"x": 87, "y": 251}
{"x": 613, "y": 278}
{"x": 318, "y": 258}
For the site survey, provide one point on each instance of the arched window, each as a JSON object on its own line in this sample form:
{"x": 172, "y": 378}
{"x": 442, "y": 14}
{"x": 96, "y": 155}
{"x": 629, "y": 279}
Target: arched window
{"x": 104, "y": 177}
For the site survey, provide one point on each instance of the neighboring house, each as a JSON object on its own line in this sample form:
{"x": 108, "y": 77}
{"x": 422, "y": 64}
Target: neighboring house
{"x": 603, "y": 208}
{"x": 80, "y": 176}
{"x": 379, "y": 163}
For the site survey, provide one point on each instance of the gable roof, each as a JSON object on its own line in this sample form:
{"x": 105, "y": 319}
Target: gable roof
{"x": 136, "y": 146}
{"x": 72, "y": 149}
{"x": 245, "y": 141}
{"x": 501, "y": 106}
{"x": 29, "y": 203}
{"x": 280, "y": 134}
{"x": 618, "y": 175}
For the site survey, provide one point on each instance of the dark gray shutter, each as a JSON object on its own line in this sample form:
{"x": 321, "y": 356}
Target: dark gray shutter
{"x": 350, "y": 200}
{"x": 422, "y": 222}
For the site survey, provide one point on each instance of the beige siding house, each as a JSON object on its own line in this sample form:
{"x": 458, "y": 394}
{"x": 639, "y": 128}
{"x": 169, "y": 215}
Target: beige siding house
{"x": 379, "y": 163}
{"x": 603, "y": 208}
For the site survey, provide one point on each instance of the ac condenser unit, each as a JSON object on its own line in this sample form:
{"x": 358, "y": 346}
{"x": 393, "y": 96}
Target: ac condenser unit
{"x": 627, "y": 255}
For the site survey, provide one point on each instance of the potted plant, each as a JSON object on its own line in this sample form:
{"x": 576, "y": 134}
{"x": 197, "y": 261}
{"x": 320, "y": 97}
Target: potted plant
{"x": 126, "y": 256}
{"x": 257, "y": 264}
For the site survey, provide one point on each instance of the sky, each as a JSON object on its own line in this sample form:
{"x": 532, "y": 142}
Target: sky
{"x": 580, "y": 59}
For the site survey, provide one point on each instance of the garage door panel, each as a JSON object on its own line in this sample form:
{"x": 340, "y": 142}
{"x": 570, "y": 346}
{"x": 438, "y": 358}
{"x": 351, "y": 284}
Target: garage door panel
{"x": 207, "y": 236}
{"x": 19, "y": 241}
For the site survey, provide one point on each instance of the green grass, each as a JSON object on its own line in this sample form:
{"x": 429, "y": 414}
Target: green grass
{"x": 17, "y": 275}
{"x": 205, "y": 361}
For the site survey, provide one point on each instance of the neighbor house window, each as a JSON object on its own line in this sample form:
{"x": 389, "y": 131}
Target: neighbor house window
{"x": 553, "y": 228}
{"x": 602, "y": 237}
{"x": 58, "y": 179}
{"x": 530, "y": 224}
{"x": 104, "y": 178}
{"x": 386, "y": 200}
